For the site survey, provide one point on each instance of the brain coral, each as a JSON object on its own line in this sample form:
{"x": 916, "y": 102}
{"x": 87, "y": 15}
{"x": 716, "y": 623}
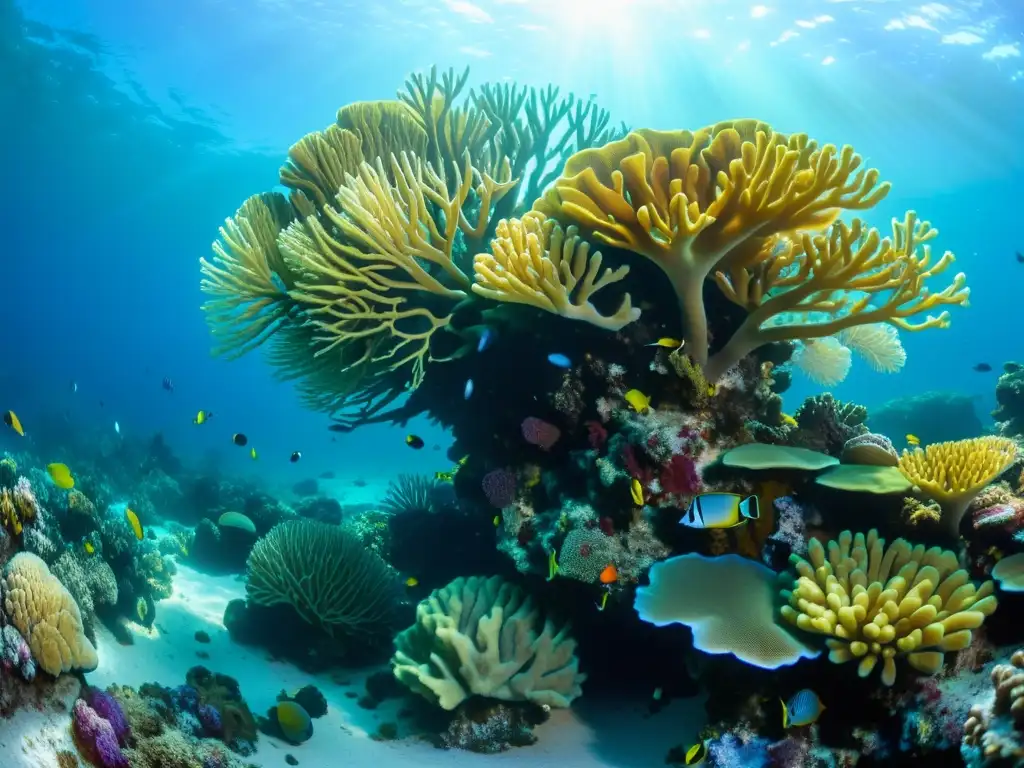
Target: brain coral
{"x": 46, "y": 615}
{"x": 483, "y": 636}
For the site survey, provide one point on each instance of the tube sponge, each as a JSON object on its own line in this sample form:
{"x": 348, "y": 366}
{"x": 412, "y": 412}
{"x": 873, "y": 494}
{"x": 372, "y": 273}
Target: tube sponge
{"x": 728, "y": 602}
{"x": 876, "y": 602}
{"x": 483, "y": 636}
{"x": 46, "y": 615}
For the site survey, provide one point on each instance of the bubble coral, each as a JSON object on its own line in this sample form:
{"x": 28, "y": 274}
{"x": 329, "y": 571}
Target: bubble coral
{"x": 954, "y": 473}
{"x": 874, "y": 602}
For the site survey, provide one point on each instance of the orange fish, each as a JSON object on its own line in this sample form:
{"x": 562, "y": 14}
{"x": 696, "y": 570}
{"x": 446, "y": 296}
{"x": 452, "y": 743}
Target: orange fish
{"x": 609, "y": 575}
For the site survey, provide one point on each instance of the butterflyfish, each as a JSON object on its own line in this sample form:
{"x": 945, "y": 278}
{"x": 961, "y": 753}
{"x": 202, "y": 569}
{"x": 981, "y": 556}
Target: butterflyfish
{"x": 294, "y": 721}
{"x": 11, "y": 420}
{"x": 61, "y": 476}
{"x": 913, "y": 440}
{"x": 202, "y": 417}
{"x": 803, "y": 708}
{"x": 239, "y": 439}
{"x": 697, "y": 754}
{"x": 720, "y": 510}
{"x": 414, "y": 441}
{"x": 636, "y": 491}
{"x": 640, "y": 402}
{"x": 252, "y": 453}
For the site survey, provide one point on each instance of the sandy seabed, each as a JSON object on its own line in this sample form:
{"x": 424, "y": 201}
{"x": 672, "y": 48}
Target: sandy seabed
{"x": 607, "y": 733}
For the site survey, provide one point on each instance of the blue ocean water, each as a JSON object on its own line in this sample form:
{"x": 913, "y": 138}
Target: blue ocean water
{"x": 129, "y": 136}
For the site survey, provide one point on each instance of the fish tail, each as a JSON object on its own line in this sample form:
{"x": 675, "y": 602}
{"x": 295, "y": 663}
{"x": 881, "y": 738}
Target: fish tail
{"x": 785, "y": 714}
{"x": 749, "y": 508}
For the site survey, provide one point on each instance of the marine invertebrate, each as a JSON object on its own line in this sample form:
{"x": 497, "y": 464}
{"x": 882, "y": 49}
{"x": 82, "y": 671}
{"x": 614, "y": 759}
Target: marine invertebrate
{"x": 499, "y": 486}
{"x": 870, "y": 449}
{"x": 732, "y": 610}
{"x": 876, "y": 603}
{"x": 95, "y": 736}
{"x": 534, "y": 261}
{"x": 864, "y": 478}
{"x": 409, "y": 493}
{"x": 46, "y": 615}
{"x": 767, "y": 456}
{"x": 825, "y": 361}
{"x": 878, "y": 344}
{"x": 485, "y": 637}
{"x": 953, "y": 473}
{"x": 18, "y": 506}
{"x": 993, "y": 732}
{"x": 1009, "y": 412}
{"x": 584, "y": 554}
{"x": 326, "y": 575}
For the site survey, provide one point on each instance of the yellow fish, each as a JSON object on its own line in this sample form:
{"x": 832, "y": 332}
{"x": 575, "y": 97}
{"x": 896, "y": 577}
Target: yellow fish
{"x": 412, "y": 581}
{"x": 788, "y": 420}
{"x": 201, "y": 417}
{"x": 497, "y": 520}
{"x": 89, "y": 548}
{"x": 11, "y": 420}
{"x": 667, "y": 343}
{"x": 604, "y": 602}
{"x": 252, "y": 453}
{"x": 637, "y": 492}
{"x": 133, "y": 521}
{"x": 463, "y": 460}
{"x": 913, "y": 440}
{"x": 61, "y": 476}
{"x": 641, "y": 403}
{"x": 697, "y": 754}
{"x": 552, "y": 565}
{"x": 446, "y": 477}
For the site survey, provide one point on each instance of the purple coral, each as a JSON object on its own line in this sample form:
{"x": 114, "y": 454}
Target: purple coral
{"x": 185, "y": 698}
{"x": 15, "y": 653}
{"x": 96, "y": 736}
{"x": 209, "y": 718}
{"x": 106, "y": 706}
{"x": 499, "y": 487}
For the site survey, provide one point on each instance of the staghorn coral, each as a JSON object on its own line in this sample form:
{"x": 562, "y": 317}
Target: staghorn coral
{"x": 46, "y": 615}
{"x": 483, "y": 636}
{"x": 954, "y": 473}
{"x": 875, "y": 603}
{"x": 535, "y": 262}
{"x": 326, "y": 575}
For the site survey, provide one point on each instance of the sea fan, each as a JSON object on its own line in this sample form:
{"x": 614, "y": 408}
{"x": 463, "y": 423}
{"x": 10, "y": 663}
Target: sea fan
{"x": 825, "y": 361}
{"x": 879, "y": 344}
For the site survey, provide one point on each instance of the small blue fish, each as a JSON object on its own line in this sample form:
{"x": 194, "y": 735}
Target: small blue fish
{"x": 468, "y": 391}
{"x": 720, "y": 510}
{"x": 486, "y": 337}
{"x": 804, "y": 708}
{"x": 559, "y": 360}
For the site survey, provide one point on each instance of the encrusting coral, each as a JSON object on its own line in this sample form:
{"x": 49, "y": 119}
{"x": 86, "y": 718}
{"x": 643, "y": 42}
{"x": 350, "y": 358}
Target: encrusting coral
{"x": 484, "y": 637}
{"x": 874, "y": 603}
{"x": 953, "y": 473}
{"x": 46, "y": 615}
{"x": 753, "y": 208}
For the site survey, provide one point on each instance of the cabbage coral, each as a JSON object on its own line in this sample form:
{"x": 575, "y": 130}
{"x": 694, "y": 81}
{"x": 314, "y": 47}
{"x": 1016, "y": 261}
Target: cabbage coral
{"x": 876, "y": 603}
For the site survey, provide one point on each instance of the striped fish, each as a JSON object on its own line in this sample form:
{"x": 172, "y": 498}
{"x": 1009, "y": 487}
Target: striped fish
{"x": 720, "y": 510}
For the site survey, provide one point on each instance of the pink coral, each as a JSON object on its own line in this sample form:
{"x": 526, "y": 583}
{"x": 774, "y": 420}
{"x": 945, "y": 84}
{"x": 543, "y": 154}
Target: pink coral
{"x": 540, "y": 433}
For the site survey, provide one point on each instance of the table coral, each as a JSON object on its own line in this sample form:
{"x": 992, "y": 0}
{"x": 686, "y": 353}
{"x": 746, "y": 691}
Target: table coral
{"x": 874, "y": 603}
{"x": 485, "y": 637}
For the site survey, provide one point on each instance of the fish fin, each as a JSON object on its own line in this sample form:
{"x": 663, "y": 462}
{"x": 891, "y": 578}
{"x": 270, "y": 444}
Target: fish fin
{"x": 750, "y": 509}
{"x": 699, "y": 512}
{"x": 785, "y": 714}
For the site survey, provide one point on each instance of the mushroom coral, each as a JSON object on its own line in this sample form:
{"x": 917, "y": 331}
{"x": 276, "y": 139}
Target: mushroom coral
{"x": 752, "y": 208}
{"x": 874, "y": 602}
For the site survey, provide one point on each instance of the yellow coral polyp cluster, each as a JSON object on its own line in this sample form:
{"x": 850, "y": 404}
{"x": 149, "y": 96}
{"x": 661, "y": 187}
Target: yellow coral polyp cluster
{"x": 534, "y": 261}
{"x": 874, "y": 603}
{"x": 954, "y": 473}
{"x": 17, "y": 507}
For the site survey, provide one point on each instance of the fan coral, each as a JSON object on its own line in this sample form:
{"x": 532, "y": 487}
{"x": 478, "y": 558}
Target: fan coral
{"x": 953, "y": 473}
{"x": 825, "y": 361}
{"x": 878, "y": 344}
{"x": 875, "y": 603}
{"x": 484, "y": 637}
{"x": 326, "y": 575}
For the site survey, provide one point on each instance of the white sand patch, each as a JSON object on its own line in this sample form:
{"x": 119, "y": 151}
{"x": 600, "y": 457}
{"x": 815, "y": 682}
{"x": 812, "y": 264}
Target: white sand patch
{"x": 594, "y": 733}
{"x": 34, "y": 736}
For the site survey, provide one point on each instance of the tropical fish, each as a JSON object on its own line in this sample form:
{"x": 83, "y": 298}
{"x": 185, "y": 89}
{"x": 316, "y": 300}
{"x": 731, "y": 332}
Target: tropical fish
{"x": 697, "y": 754}
{"x": 467, "y": 391}
{"x": 559, "y": 360}
{"x": 133, "y": 521}
{"x": 61, "y": 476}
{"x": 609, "y": 575}
{"x": 720, "y": 510}
{"x": 486, "y": 337}
{"x": 803, "y": 708}
{"x": 89, "y": 548}
{"x": 496, "y": 520}
{"x": 252, "y": 453}
{"x": 552, "y": 565}
{"x": 294, "y": 721}
{"x": 913, "y": 440}
{"x": 412, "y": 581}
{"x": 444, "y": 477}
{"x": 789, "y": 421}
{"x": 637, "y": 492}
{"x": 202, "y": 417}
{"x": 296, "y": 455}
{"x": 11, "y": 420}
{"x": 667, "y": 343}
{"x": 414, "y": 441}
{"x": 641, "y": 403}
{"x": 239, "y": 439}
{"x": 604, "y": 602}
{"x": 982, "y": 368}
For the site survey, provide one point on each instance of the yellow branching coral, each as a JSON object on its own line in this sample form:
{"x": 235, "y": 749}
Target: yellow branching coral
{"x": 248, "y": 278}
{"x": 534, "y": 261}
{"x": 364, "y": 265}
{"x": 838, "y": 274}
{"x": 953, "y": 473}
{"x": 318, "y": 162}
{"x": 697, "y": 202}
{"x": 874, "y": 603}
{"x": 384, "y": 128}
